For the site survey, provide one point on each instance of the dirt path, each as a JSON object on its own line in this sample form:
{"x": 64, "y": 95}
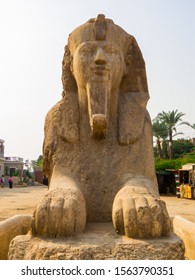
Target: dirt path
{"x": 20, "y": 200}
{"x": 23, "y": 200}
{"x": 180, "y": 206}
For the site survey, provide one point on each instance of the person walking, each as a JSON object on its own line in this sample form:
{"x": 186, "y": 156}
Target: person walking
{"x": 2, "y": 180}
{"x": 10, "y": 182}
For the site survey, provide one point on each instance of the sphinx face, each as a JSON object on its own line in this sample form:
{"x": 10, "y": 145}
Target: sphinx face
{"x": 98, "y": 67}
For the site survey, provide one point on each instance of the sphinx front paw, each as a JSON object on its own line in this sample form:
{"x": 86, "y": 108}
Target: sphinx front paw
{"x": 60, "y": 213}
{"x": 140, "y": 215}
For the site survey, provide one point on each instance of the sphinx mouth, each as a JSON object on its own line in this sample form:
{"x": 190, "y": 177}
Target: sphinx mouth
{"x": 100, "y": 73}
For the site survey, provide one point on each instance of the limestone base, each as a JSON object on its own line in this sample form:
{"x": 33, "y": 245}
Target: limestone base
{"x": 98, "y": 242}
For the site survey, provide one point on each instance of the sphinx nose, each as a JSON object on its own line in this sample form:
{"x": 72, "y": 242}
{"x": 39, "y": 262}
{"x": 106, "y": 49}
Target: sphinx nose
{"x": 100, "y": 57}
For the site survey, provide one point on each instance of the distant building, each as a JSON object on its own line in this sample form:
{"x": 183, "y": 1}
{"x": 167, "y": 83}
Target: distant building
{"x": 166, "y": 182}
{"x": 2, "y": 159}
{"x": 193, "y": 141}
{"x": 187, "y": 174}
{"x": 14, "y": 165}
{"x": 39, "y": 177}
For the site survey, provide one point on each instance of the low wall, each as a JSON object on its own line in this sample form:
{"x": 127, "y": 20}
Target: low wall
{"x": 10, "y": 228}
{"x": 186, "y": 231}
{"x": 20, "y": 225}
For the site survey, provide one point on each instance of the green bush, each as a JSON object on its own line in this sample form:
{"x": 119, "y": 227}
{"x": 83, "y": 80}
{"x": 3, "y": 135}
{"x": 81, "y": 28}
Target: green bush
{"x": 162, "y": 164}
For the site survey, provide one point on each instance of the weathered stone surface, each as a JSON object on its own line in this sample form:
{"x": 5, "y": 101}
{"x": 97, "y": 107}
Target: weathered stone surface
{"x": 186, "y": 231}
{"x": 99, "y": 242}
{"x": 98, "y": 152}
{"x": 9, "y": 229}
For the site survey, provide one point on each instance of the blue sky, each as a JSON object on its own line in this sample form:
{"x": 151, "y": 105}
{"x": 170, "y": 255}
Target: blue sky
{"x": 33, "y": 36}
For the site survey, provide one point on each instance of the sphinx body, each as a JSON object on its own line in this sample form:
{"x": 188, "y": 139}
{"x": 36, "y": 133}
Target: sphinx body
{"x": 97, "y": 151}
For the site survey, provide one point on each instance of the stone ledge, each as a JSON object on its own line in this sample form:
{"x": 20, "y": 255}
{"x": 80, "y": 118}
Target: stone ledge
{"x": 186, "y": 231}
{"x": 10, "y": 228}
{"x": 99, "y": 242}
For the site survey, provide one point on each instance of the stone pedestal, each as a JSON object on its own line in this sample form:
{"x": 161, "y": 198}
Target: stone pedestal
{"x": 98, "y": 242}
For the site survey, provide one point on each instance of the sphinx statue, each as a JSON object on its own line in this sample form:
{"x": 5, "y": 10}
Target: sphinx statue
{"x": 97, "y": 150}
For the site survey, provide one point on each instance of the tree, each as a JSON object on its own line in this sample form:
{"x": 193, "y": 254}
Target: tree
{"x": 160, "y": 132}
{"x": 182, "y": 147}
{"x": 38, "y": 162}
{"x": 191, "y": 125}
{"x": 171, "y": 120}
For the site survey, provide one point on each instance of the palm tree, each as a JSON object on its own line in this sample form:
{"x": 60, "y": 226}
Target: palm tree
{"x": 171, "y": 120}
{"x": 160, "y": 132}
{"x": 191, "y": 125}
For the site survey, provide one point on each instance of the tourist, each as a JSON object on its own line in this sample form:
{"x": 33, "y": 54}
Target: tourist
{"x": 2, "y": 180}
{"x": 10, "y": 182}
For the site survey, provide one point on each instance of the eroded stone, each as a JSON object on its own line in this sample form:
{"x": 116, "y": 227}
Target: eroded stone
{"x": 98, "y": 153}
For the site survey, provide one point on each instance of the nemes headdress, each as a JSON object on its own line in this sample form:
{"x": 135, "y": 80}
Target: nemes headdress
{"x": 133, "y": 95}
{"x": 97, "y": 29}
{"x": 100, "y": 29}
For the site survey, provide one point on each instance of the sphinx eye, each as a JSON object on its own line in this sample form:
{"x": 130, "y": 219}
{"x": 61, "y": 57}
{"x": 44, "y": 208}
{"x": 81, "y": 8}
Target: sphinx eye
{"x": 87, "y": 51}
{"x": 111, "y": 50}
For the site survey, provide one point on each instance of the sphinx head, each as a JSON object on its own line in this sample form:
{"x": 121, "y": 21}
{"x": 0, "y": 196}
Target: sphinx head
{"x": 100, "y": 57}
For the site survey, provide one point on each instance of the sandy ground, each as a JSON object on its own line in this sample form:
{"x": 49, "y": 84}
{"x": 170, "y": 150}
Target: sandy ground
{"x": 20, "y": 200}
{"x": 23, "y": 200}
